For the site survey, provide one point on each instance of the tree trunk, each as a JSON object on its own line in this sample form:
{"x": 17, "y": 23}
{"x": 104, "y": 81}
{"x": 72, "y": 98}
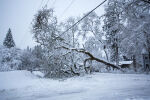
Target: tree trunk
{"x": 93, "y": 58}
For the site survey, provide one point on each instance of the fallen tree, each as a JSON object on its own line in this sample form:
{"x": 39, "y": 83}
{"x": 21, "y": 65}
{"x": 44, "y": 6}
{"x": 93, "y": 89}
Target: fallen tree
{"x": 91, "y": 57}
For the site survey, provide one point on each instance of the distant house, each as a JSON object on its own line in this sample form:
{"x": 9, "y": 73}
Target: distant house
{"x": 126, "y": 64}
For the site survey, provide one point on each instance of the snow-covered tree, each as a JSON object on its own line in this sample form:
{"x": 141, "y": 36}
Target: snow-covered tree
{"x": 46, "y": 33}
{"x": 136, "y": 34}
{"x": 92, "y": 34}
{"x": 61, "y": 48}
{"x": 71, "y": 41}
{"x": 8, "y": 41}
{"x": 112, "y": 28}
{"x": 27, "y": 59}
{"x": 131, "y": 19}
{"x": 9, "y": 58}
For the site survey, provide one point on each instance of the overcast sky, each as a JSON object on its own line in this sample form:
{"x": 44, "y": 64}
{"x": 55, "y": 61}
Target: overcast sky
{"x": 18, "y": 15}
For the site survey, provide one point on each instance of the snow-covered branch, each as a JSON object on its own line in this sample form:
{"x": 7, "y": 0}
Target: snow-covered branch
{"x": 92, "y": 57}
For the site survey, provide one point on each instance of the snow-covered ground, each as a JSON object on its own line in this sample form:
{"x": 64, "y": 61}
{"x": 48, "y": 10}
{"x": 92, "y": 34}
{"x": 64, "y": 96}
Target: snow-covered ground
{"x": 22, "y": 85}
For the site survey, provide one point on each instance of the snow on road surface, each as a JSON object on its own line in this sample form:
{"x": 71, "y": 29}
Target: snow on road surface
{"x": 22, "y": 85}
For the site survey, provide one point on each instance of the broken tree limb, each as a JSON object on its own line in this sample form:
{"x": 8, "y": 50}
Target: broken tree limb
{"x": 92, "y": 57}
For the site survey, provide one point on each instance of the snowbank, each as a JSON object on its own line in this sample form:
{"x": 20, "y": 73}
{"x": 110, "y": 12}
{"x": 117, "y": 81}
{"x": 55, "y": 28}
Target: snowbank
{"x": 38, "y": 74}
{"x": 15, "y": 79}
{"x": 22, "y": 85}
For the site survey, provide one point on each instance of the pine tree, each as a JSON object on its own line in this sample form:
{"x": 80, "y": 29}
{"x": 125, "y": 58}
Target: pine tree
{"x": 9, "y": 42}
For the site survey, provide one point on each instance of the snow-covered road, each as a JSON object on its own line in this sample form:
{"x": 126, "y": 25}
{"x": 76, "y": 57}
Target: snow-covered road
{"x": 22, "y": 85}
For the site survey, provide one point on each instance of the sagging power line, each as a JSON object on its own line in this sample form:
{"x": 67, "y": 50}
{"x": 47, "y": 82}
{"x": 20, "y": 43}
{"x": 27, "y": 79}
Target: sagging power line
{"x": 67, "y": 7}
{"x": 84, "y": 17}
{"x": 40, "y": 4}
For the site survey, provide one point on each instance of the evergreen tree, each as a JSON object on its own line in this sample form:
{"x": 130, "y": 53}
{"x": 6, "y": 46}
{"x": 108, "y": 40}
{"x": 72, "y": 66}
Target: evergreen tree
{"x": 9, "y": 42}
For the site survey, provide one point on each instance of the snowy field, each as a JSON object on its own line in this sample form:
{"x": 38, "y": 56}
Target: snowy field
{"x": 22, "y": 85}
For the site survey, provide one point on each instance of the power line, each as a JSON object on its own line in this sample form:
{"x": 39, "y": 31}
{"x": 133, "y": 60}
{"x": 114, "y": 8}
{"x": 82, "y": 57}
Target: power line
{"x": 67, "y": 7}
{"x": 22, "y": 42}
{"x": 54, "y": 2}
{"x": 46, "y": 2}
{"x": 40, "y": 4}
{"x": 84, "y": 17}
{"x": 51, "y": 4}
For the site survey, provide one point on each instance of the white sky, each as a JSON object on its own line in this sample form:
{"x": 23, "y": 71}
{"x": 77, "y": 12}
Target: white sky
{"x": 18, "y": 15}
